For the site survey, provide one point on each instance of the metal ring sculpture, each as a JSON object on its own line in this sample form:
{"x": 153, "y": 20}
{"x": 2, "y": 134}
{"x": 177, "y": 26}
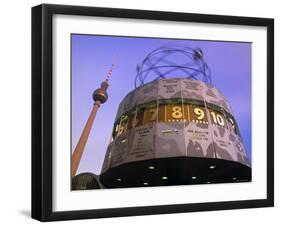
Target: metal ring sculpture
{"x": 159, "y": 64}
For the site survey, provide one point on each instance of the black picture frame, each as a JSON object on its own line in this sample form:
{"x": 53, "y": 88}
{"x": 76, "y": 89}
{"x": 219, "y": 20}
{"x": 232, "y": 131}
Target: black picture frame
{"x": 42, "y": 111}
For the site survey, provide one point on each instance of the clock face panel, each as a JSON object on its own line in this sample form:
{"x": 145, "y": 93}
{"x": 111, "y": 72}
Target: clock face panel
{"x": 198, "y": 114}
{"x": 173, "y": 111}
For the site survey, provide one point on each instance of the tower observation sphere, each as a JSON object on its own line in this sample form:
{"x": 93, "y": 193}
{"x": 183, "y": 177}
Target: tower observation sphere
{"x": 101, "y": 94}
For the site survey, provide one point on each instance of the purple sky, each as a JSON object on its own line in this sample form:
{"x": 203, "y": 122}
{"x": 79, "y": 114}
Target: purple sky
{"x": 230, "y": 64}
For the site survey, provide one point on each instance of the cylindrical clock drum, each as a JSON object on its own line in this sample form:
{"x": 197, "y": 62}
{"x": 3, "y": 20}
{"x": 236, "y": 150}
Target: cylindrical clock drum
{"x": 174, "y": 132}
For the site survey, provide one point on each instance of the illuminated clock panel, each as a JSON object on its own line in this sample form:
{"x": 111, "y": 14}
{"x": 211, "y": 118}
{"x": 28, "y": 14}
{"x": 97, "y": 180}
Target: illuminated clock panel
{"x": 197, "y": 113}
{"x": 161, "y": 112}
{"x": 150, "y": 113}
{"x": 174, "y": 111}
{"x": 171, "y": 111}
{"x": 122, "y": 125}
{"x": 217, "y": 118}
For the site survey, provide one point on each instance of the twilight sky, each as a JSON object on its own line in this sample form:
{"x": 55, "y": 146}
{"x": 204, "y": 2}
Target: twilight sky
{"x": 230, "y": 64}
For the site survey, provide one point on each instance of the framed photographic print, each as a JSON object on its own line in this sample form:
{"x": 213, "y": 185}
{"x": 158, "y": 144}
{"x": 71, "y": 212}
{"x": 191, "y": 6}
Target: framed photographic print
{"x": 146, "y": 112}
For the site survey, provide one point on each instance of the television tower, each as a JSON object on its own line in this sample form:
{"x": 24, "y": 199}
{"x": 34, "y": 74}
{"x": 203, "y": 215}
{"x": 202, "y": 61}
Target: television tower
{"x": 100, "y": 96}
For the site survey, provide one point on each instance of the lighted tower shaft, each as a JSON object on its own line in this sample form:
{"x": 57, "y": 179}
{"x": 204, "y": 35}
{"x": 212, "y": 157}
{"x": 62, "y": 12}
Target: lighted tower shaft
{"x": 100, "y": 96}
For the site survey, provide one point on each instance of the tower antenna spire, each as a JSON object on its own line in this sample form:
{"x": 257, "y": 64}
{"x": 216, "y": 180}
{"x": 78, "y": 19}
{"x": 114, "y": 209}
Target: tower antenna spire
{"x": 100, "y": 96}
{"x": 109, "y": 73}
